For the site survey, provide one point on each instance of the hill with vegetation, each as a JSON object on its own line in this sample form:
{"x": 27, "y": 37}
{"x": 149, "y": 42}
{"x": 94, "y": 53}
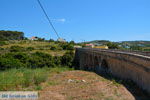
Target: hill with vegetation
{"x": 35, "y": 54}
{"x": 11, "y": 35}
{"x": 125, "y": 45}
{"x": 103, "y": 42}
{"x": 131, "y": 43}
{"x": 25, "y": 64}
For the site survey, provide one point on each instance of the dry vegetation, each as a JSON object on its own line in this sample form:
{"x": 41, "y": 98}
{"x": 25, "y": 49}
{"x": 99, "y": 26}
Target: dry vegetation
{"x": 81, "y": 85}
{"x": 40, "y": 46}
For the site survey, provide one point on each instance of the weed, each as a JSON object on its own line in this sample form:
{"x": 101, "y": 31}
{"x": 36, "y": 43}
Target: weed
{"x": 17, "y": 79}
{"x": 38, "y": 87}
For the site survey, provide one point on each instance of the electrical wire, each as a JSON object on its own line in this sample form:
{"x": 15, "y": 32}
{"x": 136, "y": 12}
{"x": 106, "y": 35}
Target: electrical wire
{"x": 48, "y": 18}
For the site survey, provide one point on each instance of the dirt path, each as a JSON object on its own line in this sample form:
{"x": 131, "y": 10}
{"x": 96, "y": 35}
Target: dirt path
{"x": 81, "y": 85}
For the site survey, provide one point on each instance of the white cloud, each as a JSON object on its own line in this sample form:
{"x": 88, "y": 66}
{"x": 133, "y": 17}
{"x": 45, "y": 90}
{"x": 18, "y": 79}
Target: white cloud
{"x": 62, "y": 20}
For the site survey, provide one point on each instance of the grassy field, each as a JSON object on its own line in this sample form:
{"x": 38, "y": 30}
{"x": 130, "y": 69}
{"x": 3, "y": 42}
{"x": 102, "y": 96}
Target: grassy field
{"x": 27, "y": 79}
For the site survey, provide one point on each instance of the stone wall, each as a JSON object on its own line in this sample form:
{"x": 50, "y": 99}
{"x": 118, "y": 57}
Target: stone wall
{"x": 121, "y": 64}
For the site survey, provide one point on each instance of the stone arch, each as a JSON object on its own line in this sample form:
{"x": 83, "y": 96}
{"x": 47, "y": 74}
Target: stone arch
{"x": 96, "y": 64}
{"x": 96, "y": 61}
{"x": 104, "y": 66}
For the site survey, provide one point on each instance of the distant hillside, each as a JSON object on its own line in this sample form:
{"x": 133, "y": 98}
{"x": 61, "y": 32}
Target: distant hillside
{"x": 99, "y": 42}
{"x": 11, "y": 35}
{"x": 136, "y": 43}
{"x": 129, "y": 43}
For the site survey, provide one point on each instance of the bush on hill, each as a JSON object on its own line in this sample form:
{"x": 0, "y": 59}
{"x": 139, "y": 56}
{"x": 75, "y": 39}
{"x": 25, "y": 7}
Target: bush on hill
{"x": 2, "y": 43}
{"x": 17, "y": 49}
{"x": 67, "y": 46}
{"x": 67, "y": 58}
{"x": 30, "y": 48}
{"x": 6, "y": 63}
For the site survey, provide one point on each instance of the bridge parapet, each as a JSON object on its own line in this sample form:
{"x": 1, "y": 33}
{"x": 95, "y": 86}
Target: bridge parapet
{"x": 126, "y": 65}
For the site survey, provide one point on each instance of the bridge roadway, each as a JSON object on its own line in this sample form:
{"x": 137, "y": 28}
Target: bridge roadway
{"x": 132, "y": 65}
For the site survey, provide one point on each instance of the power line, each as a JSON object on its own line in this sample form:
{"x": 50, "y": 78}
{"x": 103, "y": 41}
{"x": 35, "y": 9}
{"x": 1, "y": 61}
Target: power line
{"x": 48, "y": 18}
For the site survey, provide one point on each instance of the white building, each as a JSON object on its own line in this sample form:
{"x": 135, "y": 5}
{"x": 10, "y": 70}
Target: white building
{"x": 61, "y": 40}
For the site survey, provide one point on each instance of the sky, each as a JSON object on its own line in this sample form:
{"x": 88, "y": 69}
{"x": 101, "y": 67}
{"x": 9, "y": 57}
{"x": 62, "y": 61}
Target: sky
{"x": 79, "y": 20}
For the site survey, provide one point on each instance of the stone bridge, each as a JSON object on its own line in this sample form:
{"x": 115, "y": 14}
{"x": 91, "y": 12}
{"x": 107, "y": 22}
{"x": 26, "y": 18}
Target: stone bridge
{"x": 123, "y": 64}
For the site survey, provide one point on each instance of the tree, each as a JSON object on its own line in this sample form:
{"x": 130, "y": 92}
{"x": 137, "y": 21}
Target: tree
{"x": 51, "y": 40}
{"x": 11, "y": 35}
{"x": 112, "y": 45}
{"x": 72, "y": 42}
{"x": 67, "y": 46}
{"x": 136, "y": 48}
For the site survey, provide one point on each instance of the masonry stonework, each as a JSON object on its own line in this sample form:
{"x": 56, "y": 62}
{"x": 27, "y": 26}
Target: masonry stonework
{"x": 124, "y": 65}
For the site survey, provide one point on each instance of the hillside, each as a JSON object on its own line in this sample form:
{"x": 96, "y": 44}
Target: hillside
{"x": 138, "y": 43}
{"x": 99, "y": 41}
{"x": 129, "y": 43}
{"x": 29, "y": 46}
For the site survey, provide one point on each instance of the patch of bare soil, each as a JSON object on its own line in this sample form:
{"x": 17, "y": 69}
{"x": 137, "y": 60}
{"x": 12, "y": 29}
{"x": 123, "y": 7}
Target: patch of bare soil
{"x": 81, "y": 85}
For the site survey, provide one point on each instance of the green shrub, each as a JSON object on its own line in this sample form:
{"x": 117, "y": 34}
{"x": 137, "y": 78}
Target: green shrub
{"x": 6, "y": 63}
{"x": 30, "y": 48}
{"x": 16, "y": 49}
{"x": 34, "y": 60}
{"x": 67, "y": 46}
{"x": 56, "y": 48}
{"x": 39, "y": 60}
{"x": 22, "y": 57}
{"x": 38, "y": 87}
{"x": 67, "y": 58}
{"x": 2, "y": 43}
{"x": 57, "y": 60}
{"x": 70, "y": 47}
{"x": 112, "y": 45}
{"x": 53, "y": 48}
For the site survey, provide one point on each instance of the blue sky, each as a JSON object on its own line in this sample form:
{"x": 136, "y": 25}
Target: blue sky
{"x": 79, "y": 20}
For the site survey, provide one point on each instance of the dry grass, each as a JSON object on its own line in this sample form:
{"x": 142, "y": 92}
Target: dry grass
{"x": 53, "y": 53}
{"x": 37, "y": 45}
{"x": 81, "y": 85}
{"x": 28, "y": 44}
